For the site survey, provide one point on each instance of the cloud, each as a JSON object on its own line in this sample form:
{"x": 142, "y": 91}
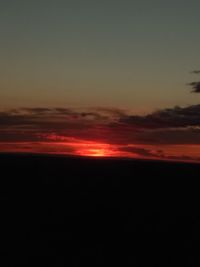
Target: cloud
{"x": 37, "y": 147}
{"x": 65, "y": 129}
{"x": 196, "y": 72}
{"x": 176, "y": 117}
{"x": 35, "y": 110}
{"x": 195, "y": 87}
{"x": 185, "y": 136}
{"x": 37, "y": 124}
{"x": 175, "y": 125}
{"x": 143, "y": 152}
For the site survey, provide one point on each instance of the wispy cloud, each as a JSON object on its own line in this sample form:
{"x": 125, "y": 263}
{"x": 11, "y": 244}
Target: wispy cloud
{"x": 195, "y": 71}
{"x": 53, "y": 127}
{"x": 195, "y": 87}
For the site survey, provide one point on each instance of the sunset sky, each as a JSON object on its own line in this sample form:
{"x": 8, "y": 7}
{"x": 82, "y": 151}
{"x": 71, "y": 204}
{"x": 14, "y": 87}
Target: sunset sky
{"x": 101, "y": 78}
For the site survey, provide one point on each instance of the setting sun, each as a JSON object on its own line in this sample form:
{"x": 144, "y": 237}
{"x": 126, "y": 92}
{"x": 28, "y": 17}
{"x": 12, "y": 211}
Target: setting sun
{"x": 93, "y": 149}
{"x": 98, "y": 152}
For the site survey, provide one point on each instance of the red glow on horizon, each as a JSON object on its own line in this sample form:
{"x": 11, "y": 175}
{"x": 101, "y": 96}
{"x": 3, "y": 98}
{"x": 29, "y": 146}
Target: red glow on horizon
{"x": 95, "y": 150}
{"x": 78, "y": 147}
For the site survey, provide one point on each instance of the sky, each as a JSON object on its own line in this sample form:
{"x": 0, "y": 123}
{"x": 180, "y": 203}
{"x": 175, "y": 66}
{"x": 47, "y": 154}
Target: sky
{"x": 80, "y": 72}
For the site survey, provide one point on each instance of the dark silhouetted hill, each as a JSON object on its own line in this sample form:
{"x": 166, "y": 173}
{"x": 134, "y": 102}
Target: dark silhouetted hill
{"x": 62, "y": 211}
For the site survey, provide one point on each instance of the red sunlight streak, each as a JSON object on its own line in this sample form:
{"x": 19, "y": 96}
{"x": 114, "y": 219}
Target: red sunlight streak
{"x": 78, "y": 147}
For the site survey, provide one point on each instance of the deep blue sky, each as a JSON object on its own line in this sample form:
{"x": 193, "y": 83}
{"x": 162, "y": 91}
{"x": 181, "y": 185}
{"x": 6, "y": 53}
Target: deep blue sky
{"x": 128, "y": 54}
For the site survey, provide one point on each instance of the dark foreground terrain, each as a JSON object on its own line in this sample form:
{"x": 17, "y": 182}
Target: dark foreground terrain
{"x": 59, "y": 211}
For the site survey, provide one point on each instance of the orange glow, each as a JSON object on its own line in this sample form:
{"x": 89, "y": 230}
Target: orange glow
{"x": 95, "y": 150}
{"x": 98, "y": 152}
{"x": 78, "y": 147}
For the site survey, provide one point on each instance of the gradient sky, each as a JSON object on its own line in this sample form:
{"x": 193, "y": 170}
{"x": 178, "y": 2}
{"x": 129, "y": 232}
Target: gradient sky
{"x": 101, "y": 78}
{"x": 134, "y": 55}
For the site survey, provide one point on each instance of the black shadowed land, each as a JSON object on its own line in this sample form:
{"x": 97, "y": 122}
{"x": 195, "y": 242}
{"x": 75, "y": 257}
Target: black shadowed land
{"x": 71, "y": 211}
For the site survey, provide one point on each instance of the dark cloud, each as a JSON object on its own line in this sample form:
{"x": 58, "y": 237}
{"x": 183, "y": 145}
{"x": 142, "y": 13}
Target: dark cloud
{"x": 178, "y": 125}
{"x": 156, "y": 154}
{"x": 196, "y": 72}
{"x": 180, "y": 158}
{"x": 176, "y": 117}
{"x": 36, "y": 147}
{"x": 195, "y": 87}
{"x": 188, "y": 135}
{"x": 143, "y": 152}
{"x": 35, "y": 110}
{"x": 111, "y": 112}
